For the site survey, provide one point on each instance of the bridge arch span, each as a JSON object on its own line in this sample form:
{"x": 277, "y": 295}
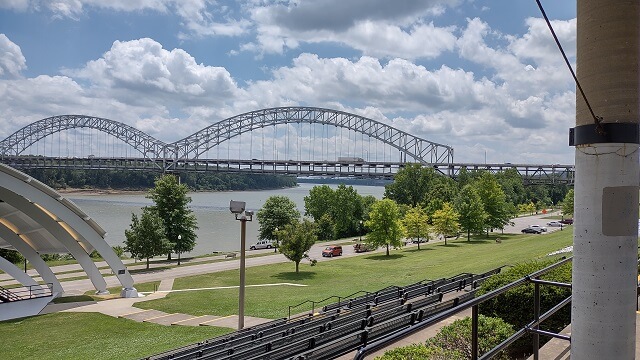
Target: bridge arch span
{"x": 22, "y": 139}
{"x": 421, "y": 150}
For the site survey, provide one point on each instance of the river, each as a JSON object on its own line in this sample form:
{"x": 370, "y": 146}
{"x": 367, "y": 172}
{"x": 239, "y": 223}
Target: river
{"x": 217, "y": 228}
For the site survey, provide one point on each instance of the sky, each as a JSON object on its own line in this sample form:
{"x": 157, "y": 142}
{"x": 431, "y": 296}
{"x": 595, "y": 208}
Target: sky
{"x": 484, "y": 77}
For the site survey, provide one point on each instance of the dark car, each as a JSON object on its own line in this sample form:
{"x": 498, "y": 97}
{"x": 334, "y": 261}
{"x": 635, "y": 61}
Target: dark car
{"x": 567, "y": 221}
{"x": 530, "y": 230}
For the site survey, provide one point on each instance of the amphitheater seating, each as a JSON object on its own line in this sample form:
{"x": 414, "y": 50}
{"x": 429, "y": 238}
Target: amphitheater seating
{"x": 340, "y": 327}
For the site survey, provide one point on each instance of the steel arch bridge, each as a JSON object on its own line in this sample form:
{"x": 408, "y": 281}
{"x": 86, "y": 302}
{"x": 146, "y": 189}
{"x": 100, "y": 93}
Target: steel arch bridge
{"x": 22, "y": 139}
{"x": 421, "y": 150}
{"x": 193, "y": 146}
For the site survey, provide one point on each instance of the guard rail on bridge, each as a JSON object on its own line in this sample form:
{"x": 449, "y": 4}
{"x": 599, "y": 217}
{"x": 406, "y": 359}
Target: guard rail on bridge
{"x": 530, "y": 173}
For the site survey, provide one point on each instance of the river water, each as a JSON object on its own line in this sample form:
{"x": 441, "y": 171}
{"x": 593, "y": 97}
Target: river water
{"x": 217, "y": 228}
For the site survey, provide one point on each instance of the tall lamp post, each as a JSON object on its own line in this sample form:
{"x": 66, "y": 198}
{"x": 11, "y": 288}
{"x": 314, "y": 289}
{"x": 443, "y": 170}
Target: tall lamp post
{"x": 179, "y": 238}
{"x": 360, "y": 231}
{"x": 237, "y": 208}
{"x": 275, "y": 246}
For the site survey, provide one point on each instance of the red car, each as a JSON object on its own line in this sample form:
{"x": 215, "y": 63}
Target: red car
{"x": 567, "y": 221}
{"x": 332, "y": 250}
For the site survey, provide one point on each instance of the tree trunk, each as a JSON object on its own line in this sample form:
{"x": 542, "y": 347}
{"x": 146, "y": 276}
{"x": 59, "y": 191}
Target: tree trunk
{"x": 468, "y": 235}
{"x": 147, "y": 263}
{"x": 169, "y": 256}
{"x": 297, "y": 266}
{"x": 418, "y": 242}
{"x": 387, "y": 249}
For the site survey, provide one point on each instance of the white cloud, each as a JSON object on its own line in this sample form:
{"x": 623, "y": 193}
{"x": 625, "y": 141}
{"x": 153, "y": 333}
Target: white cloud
{"x": 168, "y": 77}
{"x": 12, "y": 62}
{"x": 380, "y": 28}
{"x": 200, "y": 17}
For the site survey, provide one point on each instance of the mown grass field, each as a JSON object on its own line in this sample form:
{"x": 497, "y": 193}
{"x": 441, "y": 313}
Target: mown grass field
{"x": 89, "y": 336}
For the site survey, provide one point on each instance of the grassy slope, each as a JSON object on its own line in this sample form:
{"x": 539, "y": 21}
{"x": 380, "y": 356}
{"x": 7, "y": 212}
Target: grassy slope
{"x": 93, "y": 336}
{"x": 89, "y": 336}
{"x": 342, "y": 277}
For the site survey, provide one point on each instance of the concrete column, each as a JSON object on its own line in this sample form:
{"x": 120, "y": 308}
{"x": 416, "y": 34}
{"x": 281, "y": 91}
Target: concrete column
{"x": 605, "y": 241}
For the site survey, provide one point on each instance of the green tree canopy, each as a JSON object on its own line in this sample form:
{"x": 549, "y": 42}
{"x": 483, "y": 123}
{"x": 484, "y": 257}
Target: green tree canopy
{"x": 171, "y": 203}
{"x": 494, "y": 202}
{"x": 296, "y": 240}
{"x": 343, "y": 207}
{"x": 445, "y": 221}
{"x": 385, "y": 227}
{"x": 145, "y": 238}
{"x": 411, "y": 184}
{"x": 469, "y": 206}
{"x": 277, "y": 212}
{"x": 416, "y": 224}
{"x": 567, "y": 203}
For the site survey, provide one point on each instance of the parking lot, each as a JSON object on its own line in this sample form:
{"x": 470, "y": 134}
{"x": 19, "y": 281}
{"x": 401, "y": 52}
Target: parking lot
{"x": 524, "y": 221}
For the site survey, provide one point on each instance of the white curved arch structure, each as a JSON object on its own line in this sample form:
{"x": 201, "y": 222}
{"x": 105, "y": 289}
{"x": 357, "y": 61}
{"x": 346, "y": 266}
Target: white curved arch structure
{"x": 35, "y": 219}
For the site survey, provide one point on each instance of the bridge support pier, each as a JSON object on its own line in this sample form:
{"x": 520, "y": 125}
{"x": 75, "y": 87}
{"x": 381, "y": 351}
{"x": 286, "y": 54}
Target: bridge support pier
{"x": 605, "y": 235}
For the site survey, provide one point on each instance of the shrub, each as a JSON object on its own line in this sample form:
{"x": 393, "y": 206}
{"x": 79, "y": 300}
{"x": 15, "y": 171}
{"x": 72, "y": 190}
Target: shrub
{"x": 456, "y": 338}
{"x": 516, "y": 305}
{"x": 420, "y": 352}
{"x": 453, "y": 342}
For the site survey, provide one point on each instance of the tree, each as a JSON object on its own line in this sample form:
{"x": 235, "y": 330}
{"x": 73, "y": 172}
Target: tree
{"x": 445, "y": 221}
{"x": 493, "y": 200}
{"x": 469, "y": 206}
{"x": 346, "y": 211}
{"x": 296, "y": 240}
{"x": 385, "y": 227}
{"x": 567, "y": 203}
{"x": 416, "y": 224}
{"x": 277, "y": 212}
{"x": 145, "y": 238}
{"x": 171, "y": 203}
{"x": 319, "y": 201}
{"x": 411, "y": 184}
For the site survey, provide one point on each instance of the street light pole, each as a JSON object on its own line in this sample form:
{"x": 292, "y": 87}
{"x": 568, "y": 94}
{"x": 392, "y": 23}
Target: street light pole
{"x": 360, "y": 231}
{"x": 237, "y": 208}
{"x": 179, "y": 238}
{"x": 275, "y": 249}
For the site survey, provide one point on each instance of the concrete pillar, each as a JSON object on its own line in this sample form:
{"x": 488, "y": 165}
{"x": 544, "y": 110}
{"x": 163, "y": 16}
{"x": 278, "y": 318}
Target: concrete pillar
{"x": 605, "y": 241}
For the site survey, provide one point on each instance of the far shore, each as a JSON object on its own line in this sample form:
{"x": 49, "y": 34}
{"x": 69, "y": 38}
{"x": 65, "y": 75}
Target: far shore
{"x": 73, "y": 191}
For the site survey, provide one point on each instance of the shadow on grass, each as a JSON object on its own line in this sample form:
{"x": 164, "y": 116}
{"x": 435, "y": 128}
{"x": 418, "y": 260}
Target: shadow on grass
{"x": 302, "y": 275}
{"x": 385, "y": 257}
{"x": 449, "y": 245}
{"x": 412, "y": 250}
{"x": 150, "y": 271}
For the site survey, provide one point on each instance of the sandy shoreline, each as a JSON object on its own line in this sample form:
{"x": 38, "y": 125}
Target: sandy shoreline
{"x": 71, "y": 191}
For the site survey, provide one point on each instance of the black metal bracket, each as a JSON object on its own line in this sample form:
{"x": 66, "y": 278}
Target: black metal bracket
{"x": 608, "y": 133}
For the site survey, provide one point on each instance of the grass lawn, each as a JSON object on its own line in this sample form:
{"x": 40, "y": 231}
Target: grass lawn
{"x": 93, "y": 336}
{"x": 343, "y": 277}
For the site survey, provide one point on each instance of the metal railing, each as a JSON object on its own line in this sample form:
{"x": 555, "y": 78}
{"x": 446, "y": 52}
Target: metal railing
{"x": 532, "y": 327}
{"x": 340, "y": 299}
{"x": 26, "y": 292}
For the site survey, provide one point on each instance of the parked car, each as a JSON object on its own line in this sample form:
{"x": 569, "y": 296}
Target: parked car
{"x": 555, "y": 223}
{"x": 530, "y": 230}
{"x": 264, "y": 244}
{"x": 542, "y": 228}
{"x": 567, "y": 221}
{"x": 332, "y": 250}
{"x": 362, "y": 247}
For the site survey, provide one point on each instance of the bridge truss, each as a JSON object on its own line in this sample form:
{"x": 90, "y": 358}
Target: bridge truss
{"x": 192, "y": 153}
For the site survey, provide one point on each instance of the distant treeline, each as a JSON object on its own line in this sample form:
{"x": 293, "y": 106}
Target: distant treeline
{"x": 140, "y": 180}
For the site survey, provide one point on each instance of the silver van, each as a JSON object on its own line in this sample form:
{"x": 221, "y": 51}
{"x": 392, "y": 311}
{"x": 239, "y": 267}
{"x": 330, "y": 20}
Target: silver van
{"x": 264, "y": 244}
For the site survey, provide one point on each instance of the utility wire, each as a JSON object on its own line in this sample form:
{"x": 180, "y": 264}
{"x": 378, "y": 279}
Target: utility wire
{"x": 596, "y": 119}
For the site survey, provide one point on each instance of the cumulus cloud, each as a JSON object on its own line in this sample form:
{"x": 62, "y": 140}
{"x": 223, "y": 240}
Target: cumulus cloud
{"x": 12, "y": 62}
{"x": 144, "y": 67}
{"x": 200, "y": 17}
{"x": 378, "y": 28}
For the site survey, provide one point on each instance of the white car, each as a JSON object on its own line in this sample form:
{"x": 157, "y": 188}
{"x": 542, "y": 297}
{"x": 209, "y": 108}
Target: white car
{"x": 554, "y": 223}
{"x": 541, "y": 228}
{"x": 264, "y": 244}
